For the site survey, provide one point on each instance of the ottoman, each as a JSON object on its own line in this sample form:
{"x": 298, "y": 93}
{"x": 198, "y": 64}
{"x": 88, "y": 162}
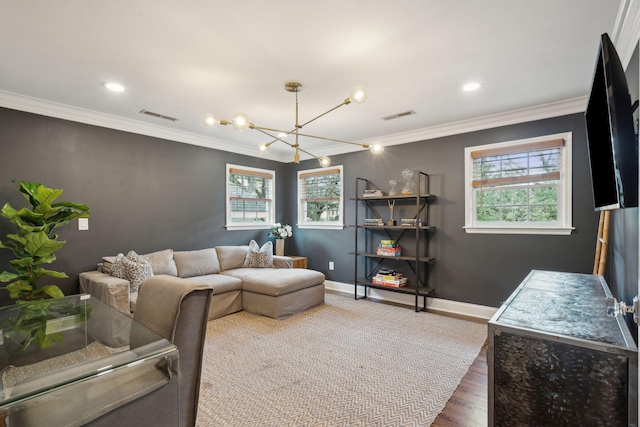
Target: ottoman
{"x": 279, "y": 292}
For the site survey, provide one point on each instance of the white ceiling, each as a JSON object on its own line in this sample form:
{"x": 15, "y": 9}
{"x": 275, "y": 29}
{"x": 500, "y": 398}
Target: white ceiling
{"x": 185, "y": 59}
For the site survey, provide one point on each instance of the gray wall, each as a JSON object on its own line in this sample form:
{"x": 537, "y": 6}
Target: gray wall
{"x": 474, "y": 268}
{"x": 622, "y": 268}
{"x": 148, "y": 194}
{"x": 145, "y": 194}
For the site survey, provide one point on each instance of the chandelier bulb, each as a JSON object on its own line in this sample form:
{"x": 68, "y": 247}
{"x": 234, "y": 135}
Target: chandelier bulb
{"x": 324, "y": 161}
{"x": 358, "y": 95}
{"x": 264, "y": 148}
{"x": 377, "y": 148}
{"x": 210, "y": 121}
{"x": 240, "y": 121}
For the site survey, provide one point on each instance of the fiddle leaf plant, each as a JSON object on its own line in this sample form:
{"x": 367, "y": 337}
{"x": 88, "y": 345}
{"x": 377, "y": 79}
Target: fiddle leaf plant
{"x": 34, "y": 245}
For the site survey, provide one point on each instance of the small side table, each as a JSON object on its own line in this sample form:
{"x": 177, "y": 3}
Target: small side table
{"x": 298, "y": 261}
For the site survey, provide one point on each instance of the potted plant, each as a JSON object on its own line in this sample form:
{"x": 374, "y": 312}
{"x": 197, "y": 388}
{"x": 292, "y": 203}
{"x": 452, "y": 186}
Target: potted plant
{"x": 33, "y": 246}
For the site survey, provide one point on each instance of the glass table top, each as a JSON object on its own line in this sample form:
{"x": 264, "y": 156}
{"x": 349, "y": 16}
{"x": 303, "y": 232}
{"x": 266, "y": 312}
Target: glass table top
{"x": 48, "y": 344}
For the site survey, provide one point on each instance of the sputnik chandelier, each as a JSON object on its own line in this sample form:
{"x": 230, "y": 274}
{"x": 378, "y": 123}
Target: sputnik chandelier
{"x": 241, "y": 122}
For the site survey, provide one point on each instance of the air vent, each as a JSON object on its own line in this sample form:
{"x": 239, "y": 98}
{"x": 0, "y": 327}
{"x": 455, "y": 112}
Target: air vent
{"x": 397, "y": 116}
{"x": 160, "y": 116}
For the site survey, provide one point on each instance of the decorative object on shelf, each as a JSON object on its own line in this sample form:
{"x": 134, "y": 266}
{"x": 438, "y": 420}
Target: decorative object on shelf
{"x": 241, "y": 122}
{"x": 409, "y": 185}
{"x": 393, "y": 190}
{"x": 392, "y": 204}
{"x": 35, "y": 245}
{"x": 280, "y": 232}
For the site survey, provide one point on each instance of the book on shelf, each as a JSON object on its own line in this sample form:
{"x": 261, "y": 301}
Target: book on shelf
{"x": 373, "y": 222}
{"x": 410, "y": 222}
{"x": 372, "y": 193}
{"x": 395, "y": 251}
{"x": 387, "y": 242}
{"x": 383, "y": 281}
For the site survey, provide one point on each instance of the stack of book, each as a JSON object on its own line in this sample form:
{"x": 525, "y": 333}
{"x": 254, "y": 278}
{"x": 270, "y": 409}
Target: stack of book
{"x": 410, "y": 222}
{"x": 369, "y": 222}
{"x": 389, "y": 278}
{"x": 389, "y": 248}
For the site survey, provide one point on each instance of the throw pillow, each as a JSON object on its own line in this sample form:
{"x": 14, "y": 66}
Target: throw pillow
{"x": 133, "y": 268}
{"x": 259, "y": 257}
{"x": 138, "y": 270}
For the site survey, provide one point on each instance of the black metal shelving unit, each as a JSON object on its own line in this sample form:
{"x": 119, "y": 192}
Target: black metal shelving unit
{"x": 417, "y": 259}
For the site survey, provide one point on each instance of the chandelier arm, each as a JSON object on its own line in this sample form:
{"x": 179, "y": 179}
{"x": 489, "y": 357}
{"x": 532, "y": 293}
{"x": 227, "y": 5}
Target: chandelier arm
{"x": 275, "y": 138}
{"x": 345, "y": 102}
{"x": 311, "y": 136}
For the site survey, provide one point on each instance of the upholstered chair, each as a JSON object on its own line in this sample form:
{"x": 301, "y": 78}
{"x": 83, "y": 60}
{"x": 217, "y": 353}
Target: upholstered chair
{"x": 176, "y": 309}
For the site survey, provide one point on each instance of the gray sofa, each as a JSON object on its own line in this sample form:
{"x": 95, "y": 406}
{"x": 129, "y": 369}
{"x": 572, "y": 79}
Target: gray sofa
{"x": 276, "y": 292}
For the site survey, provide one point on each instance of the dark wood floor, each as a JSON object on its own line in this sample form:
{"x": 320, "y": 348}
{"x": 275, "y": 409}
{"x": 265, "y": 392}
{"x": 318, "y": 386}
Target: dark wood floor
{"x": 468, "y": 405}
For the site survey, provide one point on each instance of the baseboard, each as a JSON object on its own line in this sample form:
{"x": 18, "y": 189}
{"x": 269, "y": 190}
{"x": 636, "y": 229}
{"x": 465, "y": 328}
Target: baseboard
{"x": 433, "y": 304}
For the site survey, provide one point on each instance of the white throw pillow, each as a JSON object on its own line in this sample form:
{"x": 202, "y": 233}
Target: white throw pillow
{"x": 259, "y": 257}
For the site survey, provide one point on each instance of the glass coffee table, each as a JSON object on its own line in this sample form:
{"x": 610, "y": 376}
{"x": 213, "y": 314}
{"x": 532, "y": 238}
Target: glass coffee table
{"x": 71, "y": 360}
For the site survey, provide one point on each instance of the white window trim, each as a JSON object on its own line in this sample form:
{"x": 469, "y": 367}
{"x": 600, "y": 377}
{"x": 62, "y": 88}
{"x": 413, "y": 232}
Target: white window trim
{"x": 249, "y": 226}
{"x": 339, "y": 225}
{"x": 565, "y": 188}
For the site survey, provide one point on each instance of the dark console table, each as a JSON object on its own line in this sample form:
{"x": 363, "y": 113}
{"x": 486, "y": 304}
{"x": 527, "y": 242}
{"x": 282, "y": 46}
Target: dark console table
{"x": 556, "y": 359}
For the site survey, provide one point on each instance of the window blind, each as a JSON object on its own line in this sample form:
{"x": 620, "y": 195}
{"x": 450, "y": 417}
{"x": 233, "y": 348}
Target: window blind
{"x": 516, "y": 165}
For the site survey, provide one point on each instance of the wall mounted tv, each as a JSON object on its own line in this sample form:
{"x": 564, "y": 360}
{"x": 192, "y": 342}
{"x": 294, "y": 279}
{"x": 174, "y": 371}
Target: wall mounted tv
{"x": 611, "y": 137}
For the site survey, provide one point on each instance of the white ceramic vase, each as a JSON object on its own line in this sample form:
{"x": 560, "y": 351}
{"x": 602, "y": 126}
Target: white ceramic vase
{"x": 280, "y": 247}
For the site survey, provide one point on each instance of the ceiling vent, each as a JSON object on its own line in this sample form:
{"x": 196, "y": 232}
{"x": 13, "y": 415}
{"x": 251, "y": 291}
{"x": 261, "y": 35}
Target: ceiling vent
{"x": 397, "y": 116}
{"x": 160, "y": 116}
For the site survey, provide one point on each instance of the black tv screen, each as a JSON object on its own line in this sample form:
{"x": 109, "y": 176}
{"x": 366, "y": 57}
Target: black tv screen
{"x": 611, "y": 138}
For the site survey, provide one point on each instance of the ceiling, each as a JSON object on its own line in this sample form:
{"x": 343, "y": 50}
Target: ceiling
{"x": 187, "y": 59}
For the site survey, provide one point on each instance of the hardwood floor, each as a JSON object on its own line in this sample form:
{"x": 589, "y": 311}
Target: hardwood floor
{"x": 468, "y": 405}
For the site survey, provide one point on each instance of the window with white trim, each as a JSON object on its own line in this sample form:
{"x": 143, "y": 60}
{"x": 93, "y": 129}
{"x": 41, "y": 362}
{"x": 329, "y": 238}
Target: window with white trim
{"x": 250, "y": 195}
{"x": 519, "y": 187}
{"x": 320, "y": 198}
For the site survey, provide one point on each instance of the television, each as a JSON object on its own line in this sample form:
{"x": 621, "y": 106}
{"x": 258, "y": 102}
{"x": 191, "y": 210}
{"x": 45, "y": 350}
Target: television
{"x": 611, "y": 137}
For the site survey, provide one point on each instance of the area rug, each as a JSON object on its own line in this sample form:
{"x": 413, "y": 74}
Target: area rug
{"x": 344, "y": 363}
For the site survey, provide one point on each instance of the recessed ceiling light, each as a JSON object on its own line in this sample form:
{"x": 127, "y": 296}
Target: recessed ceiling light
{"x": 471, "y": 86}
{"x": 116, "y": 87}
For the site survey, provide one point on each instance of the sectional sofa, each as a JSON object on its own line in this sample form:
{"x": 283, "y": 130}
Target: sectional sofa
{"x": 240, "y": 281}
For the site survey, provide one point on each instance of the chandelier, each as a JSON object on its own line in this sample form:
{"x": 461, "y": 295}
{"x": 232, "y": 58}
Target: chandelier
{"x": 240, "y": 121}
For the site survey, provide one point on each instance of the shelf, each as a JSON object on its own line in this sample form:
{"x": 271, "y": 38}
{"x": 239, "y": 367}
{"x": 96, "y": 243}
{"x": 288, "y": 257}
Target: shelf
{"x": 394, "y": 258}
{"x": 409, "y": 289}
{"x": 394, "y": 227}
{"x": 398, "y": 197}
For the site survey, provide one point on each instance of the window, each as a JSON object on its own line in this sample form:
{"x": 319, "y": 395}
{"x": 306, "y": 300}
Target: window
{"x": 320, "y": 203}
{"x": 519, "y": 187}
{"x": 249, "y": 198}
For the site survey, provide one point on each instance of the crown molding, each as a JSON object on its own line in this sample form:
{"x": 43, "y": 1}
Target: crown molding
{"x": 626, "y": 30}
{"x": 546, "y": 111}
{"x": 67, "y": 112}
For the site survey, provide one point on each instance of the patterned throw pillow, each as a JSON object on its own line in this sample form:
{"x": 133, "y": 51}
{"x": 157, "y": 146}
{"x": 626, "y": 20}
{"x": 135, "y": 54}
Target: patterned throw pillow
{"x": 259, "y": 257}
{"x": 133, "y": 268}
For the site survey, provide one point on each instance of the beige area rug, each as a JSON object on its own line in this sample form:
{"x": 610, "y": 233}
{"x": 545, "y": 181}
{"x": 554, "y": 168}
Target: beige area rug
{"x": 344, "y": 363}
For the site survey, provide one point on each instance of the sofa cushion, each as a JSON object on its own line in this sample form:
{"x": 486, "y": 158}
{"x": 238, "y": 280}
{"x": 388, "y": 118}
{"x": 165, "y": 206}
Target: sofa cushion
{"x": 219, "y": 283}
{"x": 231, "y": 257}
{"x": 196, "y": 263}
{"x": 259, "y": 257}
{"x": 162, "y": 262}
{"x": 275, "y": 282}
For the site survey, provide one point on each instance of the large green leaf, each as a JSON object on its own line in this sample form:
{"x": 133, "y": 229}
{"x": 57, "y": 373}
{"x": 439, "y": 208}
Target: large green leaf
{"x": 52, "y": 290}
{"x": 6, "y": 276}
{"x": 38, "y": 244}
{"x": 39, "y": 272}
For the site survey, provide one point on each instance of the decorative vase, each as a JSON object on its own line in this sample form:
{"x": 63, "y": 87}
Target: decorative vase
{"x": 280, "y": 247}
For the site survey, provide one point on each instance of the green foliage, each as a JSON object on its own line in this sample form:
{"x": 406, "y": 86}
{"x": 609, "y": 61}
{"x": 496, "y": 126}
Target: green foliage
{"x": 30, "y": 325}
{"x": 35, "y": 242}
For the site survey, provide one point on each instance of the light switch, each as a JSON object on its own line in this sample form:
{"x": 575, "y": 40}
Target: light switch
{"x": 83, "y": 223}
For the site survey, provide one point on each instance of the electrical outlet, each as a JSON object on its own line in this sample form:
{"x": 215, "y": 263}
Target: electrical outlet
{"x": 331, "y": 265}
{"x": 83, "y": 224}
